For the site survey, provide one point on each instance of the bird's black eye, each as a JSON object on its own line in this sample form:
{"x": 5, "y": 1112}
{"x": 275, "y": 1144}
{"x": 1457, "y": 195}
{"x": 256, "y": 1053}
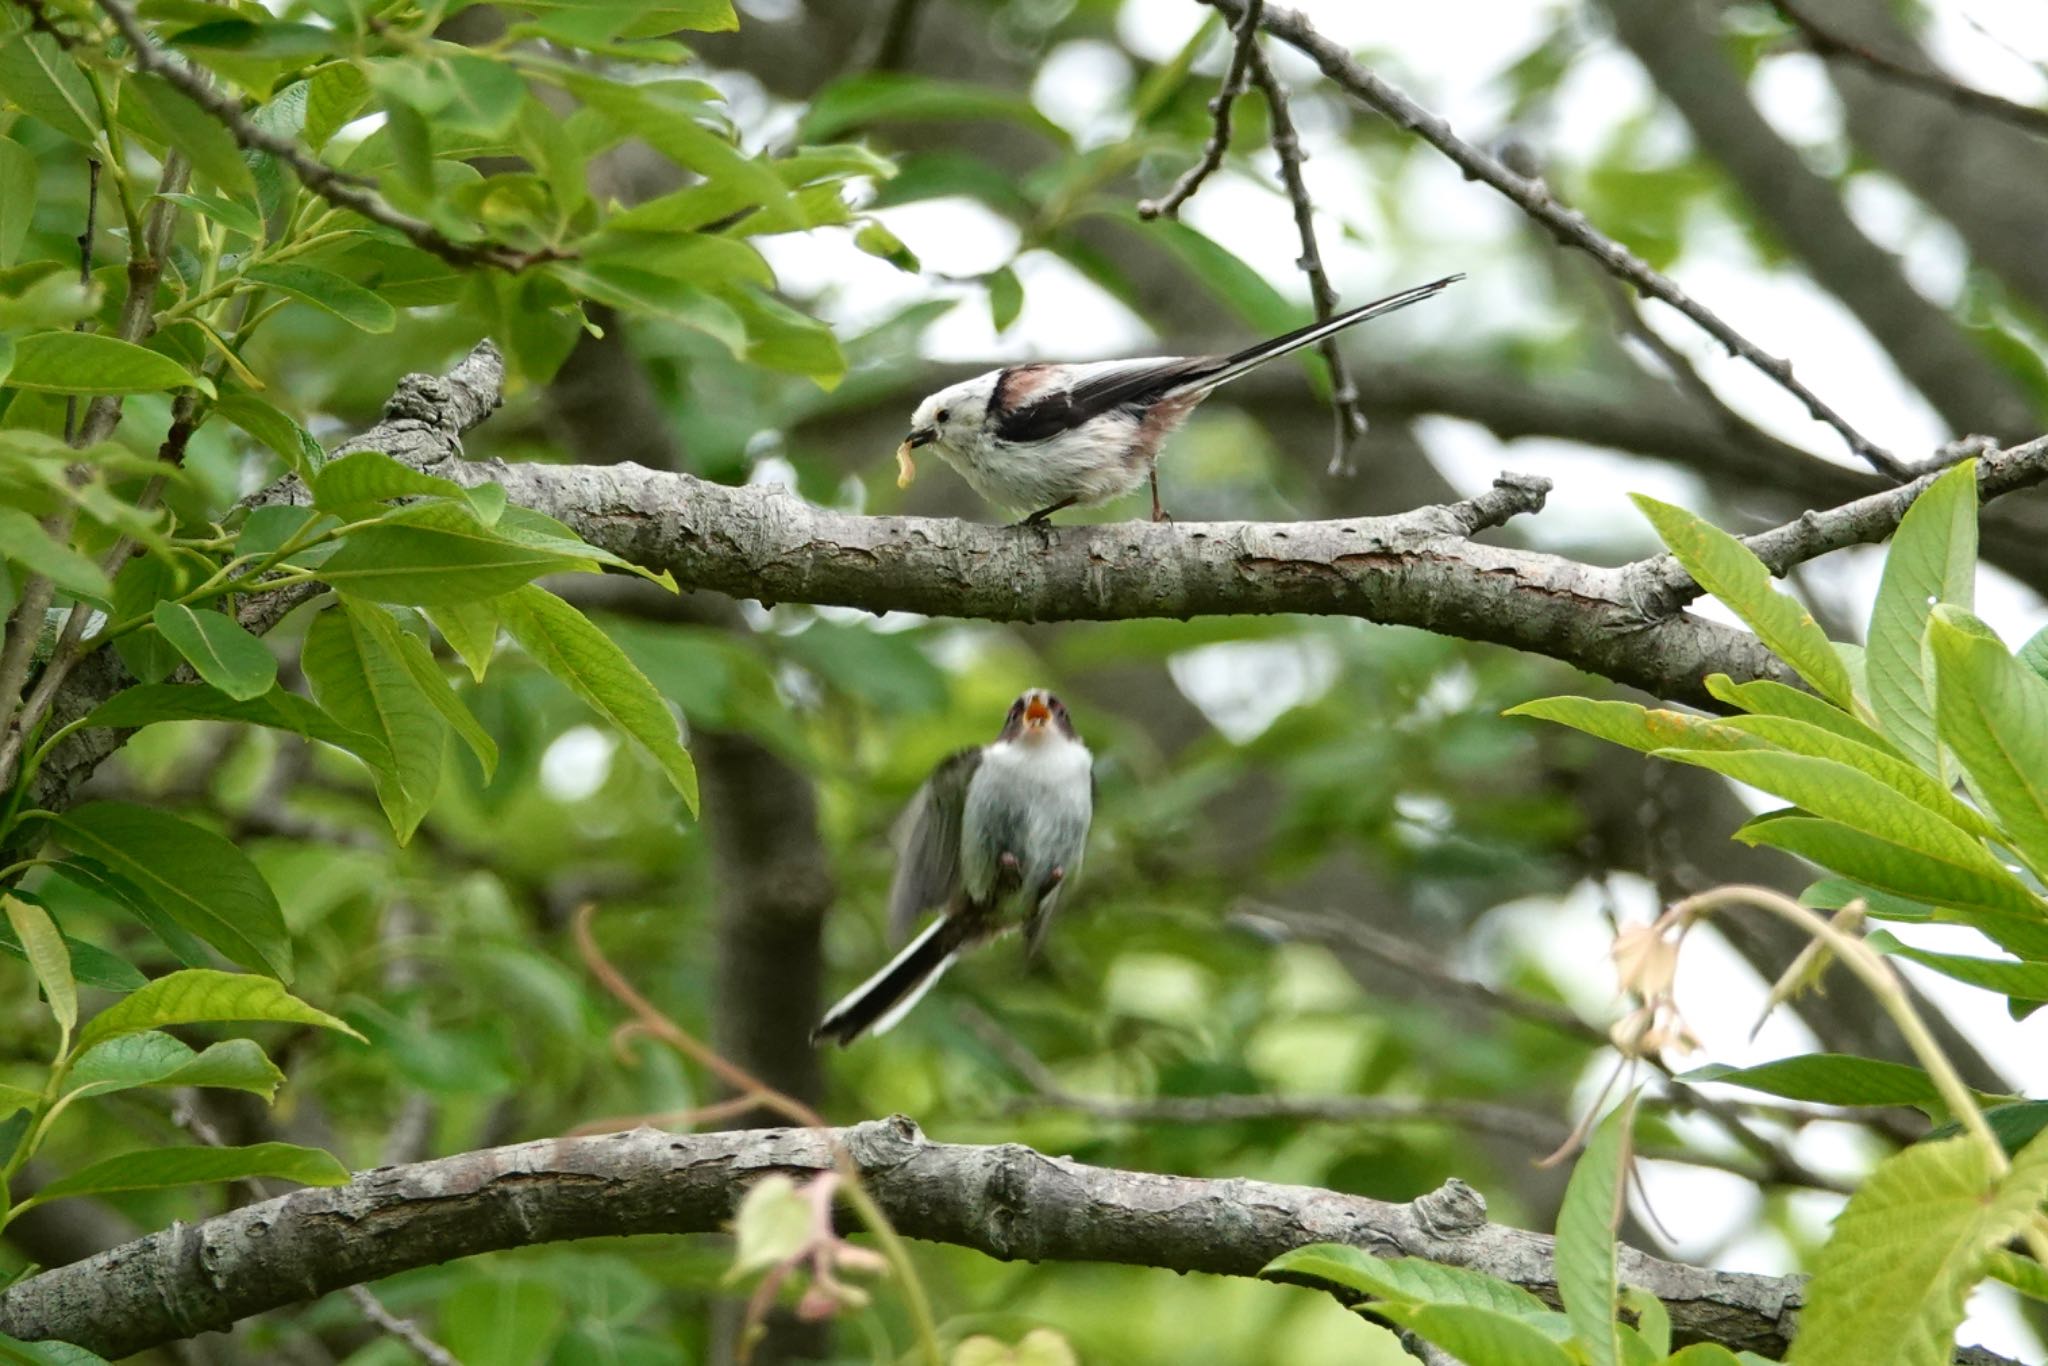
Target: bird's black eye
{"x": 945, "y": 413}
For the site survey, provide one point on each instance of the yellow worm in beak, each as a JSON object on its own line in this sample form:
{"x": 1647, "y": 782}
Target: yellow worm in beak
{"x": 906, "y": 468}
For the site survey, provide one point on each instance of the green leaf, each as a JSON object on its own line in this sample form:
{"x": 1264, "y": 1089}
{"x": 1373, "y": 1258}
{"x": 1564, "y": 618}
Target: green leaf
{"x": 48, "y": 1352}
{"x": 471, "y": 630}
{"x": 874, "y": 238}
{"x": 1725, "y": 567}
{"x": 2034, "y": 654}
{"x": 158, "y": 1168}
{"x": 223, "y": 653}
{"x": 1889, "y": 867}
{"x": 1248, "y": 294}
{"x": 371, "y": 477}
{"x": 46, "y": 953}
{"x": 1005, "y": 297}
{"x": 1993, "y": 714}
{"x": 93, "y": 363}
{"x": 1829, "y": 1079}
{"x": 856, "y": 101}
{"x": 780, "y": 338}
{"x": 1837, "y": 792}
{"x": 1585, "y": 1237}
{"x": 1640, "y": 728}
{"x": 371, "y": 621}
{"x": 192, "y": 131}
{"x": 1799, "y": 737}
{"x": 1933, "y": 559}
{"x": 773, "y": 1224}
{"x": 277, "y": 709}
{"x": 344, "y": 298}
{"x": 201, "y": 881}
{"x": 39, "y": 77}
{"x": 18, "y": 176}
{"x": 562, "y": 641}
{"x": 24, "y": 541}
{"x": 334, "y": 96}
{"x": 1706, "y": 1354}
{"x": 367, "y": 687}
{"x": 2023, "y": 1274}
{"x": 276, "y": 429}
{"x": 1765, "y": 697}
{"x": 1653, "y": 1320}
{"x": 151, "y": 1058}
{"x": 96, "y": 879}
{"x": 91, "y": 965}
{"x": 1915, "y": 1238}
{"x": 1470, "y": 1334}
{"x": 1833, "y": 893}
{"x": 226, "y": 212}
{"x": 205, "y": 996}
{"x": 1412, "y": 1280}
{"x": 2008, "y": 977}
{"x": 435, "y": 554}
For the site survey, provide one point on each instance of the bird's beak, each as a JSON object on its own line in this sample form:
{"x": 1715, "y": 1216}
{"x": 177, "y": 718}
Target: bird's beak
{"x": 906, "y": 468}
{"x": 1036, "y": 713}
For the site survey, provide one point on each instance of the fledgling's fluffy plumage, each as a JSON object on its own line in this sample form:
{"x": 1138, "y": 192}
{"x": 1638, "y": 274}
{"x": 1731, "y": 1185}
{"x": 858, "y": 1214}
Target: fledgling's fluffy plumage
{"x": 992, "y": 841}
{"x": 1043, "y": 436}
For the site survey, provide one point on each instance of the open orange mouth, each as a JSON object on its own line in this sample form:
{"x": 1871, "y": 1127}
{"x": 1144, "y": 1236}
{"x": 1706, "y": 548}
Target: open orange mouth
{"x": 1036, "y": 711}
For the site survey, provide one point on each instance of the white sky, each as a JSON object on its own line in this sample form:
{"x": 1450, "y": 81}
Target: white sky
{"x": 1449, "y": 55}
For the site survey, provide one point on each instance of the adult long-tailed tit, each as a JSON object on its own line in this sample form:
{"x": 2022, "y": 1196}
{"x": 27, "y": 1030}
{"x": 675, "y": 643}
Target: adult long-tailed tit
{"x": 992, "y": 841}
{"x": 1048, "y": 436}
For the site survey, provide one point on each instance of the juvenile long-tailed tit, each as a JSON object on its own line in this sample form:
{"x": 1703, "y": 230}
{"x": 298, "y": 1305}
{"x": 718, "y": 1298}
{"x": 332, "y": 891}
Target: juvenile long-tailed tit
{"x": 1047, "y": 436}
{"x": 991, "y": 841}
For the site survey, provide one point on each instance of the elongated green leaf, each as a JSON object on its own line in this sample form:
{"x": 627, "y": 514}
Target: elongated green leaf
{"x": 18, "y": 176}
{"x": 436, "y": 554}
{"x": 1915, "y": 1238}
{"x": 856, "y": 101}
{"x": 1837, "y": 792}
{"x": 40, "y": 78}
{"x": 564, "y": 643}
{"x": 1993, "y": 713}
{"x": 1889, "y": 867}
{"x": 1005, "y": 297}
{"x": 156, "y": 1059}
{"x": 91, "y": 966}
{"x": 1833, "y": 893}
{"x": 46, "y": 953}
{"x": 371, "y": 477}
{"x": 158, "y": 1168}
{"x": 1653, "y": 1320}
{"x": 1764, "y": 697}
{"x": 1829, "y": 1079}
{"x": 276, "y": 429}
{"x": 2023, "y": 1274}
{"x": 23, "y": 540}
{"x": 2009, "y": 977}
{"x": 1800, "y": 737}
{"x": 1933, "y": 559}
{"x": 471, "y": 630}
{"x": 1640, "y": 728}
{"x": 368, "y": 688}
{"x": 201, "y": 881}
{"x": 194, "y": 132}
{"x": 223, "y": 653}
{"x": 235, "y": 217}
{"x": 1471, "y": 1334}
{"x": 1725, "y": 567}
{"x": 48, "y": 1352}
{"x": 99, "y": 880}
{"x": 334, "y": 96}
{"x": 1707, "y": 1354}
{"x": 1585, "y": 1238}
{"x": 370, "y": 620}
{"x": 342, "y": 297}
{"x": 1410, "y": 1279}
{"x": 202, "y": 996}
{"x": 94, "y": 363}
{"x": 277, "y": 709}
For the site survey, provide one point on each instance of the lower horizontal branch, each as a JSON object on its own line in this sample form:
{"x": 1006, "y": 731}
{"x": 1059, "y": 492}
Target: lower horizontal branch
{"x": 1006, "y": 1200}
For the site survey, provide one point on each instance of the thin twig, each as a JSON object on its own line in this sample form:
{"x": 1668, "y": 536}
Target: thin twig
{"x": 85, "y": 239}
{"x": 343, "y": 189}
{"x": 897, "y": 36}
{"x": 1350, "y": 422}
{"x": 1825, "y": 42}
{"x": 1534, "y": 197}
{"x": 1247, "y": 37}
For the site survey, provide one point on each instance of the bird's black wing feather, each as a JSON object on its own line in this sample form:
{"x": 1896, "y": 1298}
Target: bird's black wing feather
{"x": 928, "y": 857}
{"x": 1043, "y": 416}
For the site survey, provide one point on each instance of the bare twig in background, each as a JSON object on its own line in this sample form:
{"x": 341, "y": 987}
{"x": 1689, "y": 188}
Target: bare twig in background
{"x": 343, "y": 189}
{"x": 1183, "y": 189}
{"x": 1343, "y": 392}
{"x": 1825, "y": 42}
{"x": 1534, "y": 198}
{"x": 898, "y": 35}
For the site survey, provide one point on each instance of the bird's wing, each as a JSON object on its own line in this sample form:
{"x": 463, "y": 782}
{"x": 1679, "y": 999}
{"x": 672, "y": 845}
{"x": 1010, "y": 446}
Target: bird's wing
{"x": 928, "y": 843}
{"x": 1049, "y": 410}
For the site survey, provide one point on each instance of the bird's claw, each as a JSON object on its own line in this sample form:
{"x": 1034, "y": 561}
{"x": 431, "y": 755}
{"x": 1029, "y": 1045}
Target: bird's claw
{"x": 1009, "y": 872}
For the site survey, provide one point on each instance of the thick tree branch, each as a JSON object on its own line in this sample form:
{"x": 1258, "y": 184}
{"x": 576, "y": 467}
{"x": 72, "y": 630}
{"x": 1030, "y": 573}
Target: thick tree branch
{"x": 1006, "y": 1201}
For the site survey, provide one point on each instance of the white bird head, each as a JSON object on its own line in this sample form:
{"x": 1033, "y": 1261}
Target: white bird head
{"x": 947, "y": 419}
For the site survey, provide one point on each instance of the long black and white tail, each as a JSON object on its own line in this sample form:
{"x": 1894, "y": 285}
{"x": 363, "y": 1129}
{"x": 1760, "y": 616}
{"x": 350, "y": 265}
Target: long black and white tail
{"x": 1253, "y": 357}
{"x": 887, "y": 997}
